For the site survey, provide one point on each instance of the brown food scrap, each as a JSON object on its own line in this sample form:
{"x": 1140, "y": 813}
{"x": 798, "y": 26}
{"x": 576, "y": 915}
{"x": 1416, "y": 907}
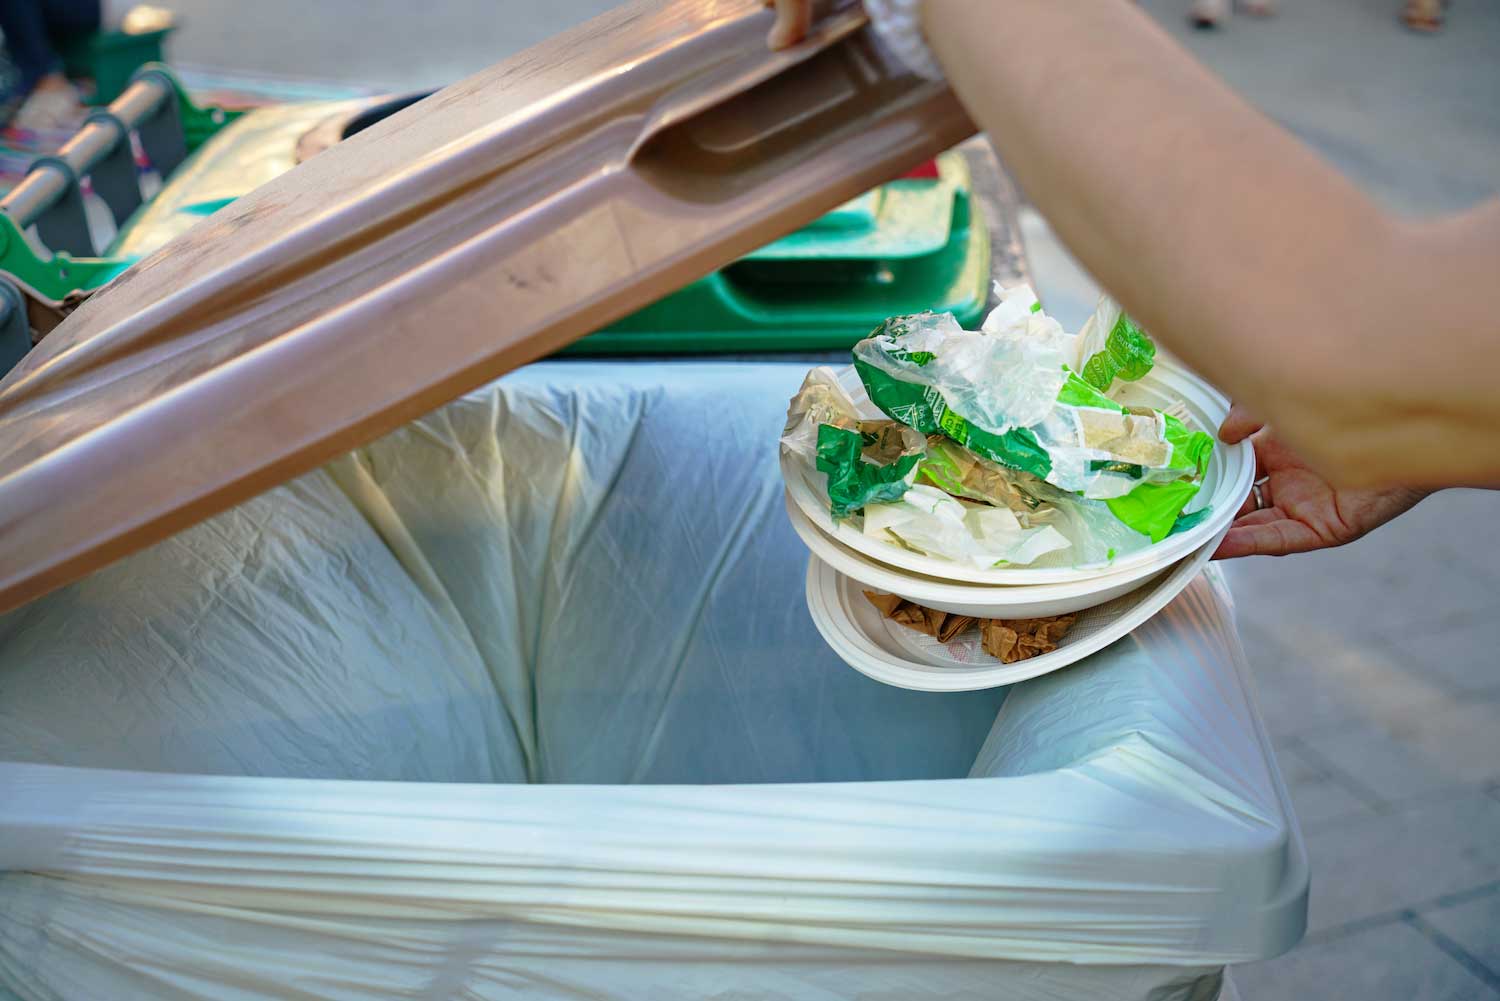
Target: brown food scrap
{"x": 1012, "y": 640}
{"x": 941, "y": 625}
{"x": 1008, "y": 640}
{"x": 1000, "y": 641}
{"x": 909, "y": 614}
{"x": 913, "y": 617}
{"x": 953, "y": 625}
{"x": 887, "y": 603}
{"x": 885, "y": 442}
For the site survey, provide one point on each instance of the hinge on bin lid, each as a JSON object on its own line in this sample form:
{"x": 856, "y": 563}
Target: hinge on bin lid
{"x": 470, "y": 233}
{"x": 193, "y": 125}
{"x": 115, "y": 177}
{"x": 64, "y": 225}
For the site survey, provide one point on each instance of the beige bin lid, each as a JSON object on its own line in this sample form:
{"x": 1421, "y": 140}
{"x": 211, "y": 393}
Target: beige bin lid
{"x": 473, "y": 232}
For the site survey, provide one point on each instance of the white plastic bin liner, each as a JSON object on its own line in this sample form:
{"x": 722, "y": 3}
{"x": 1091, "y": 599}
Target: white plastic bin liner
{"x": 344, "y": 717}
{"x": 581, "y": 574}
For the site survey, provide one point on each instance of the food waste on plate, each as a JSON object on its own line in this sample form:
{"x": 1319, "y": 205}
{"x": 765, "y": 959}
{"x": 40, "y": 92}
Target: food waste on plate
{"x": 1007, "y": 640}
{"x": 1001, "y": 446}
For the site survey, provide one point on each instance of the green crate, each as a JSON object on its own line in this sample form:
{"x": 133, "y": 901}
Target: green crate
{"x": 908, "y": 246}
{"x": 110, "y": 59}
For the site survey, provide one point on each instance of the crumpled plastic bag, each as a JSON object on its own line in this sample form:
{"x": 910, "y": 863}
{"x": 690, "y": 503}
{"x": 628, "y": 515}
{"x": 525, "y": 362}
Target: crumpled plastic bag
{"x": 928, "y": 520}
{"x": 1111, "y": 346}
{"x": 875, "y": 462}
{"x": 1005, "y": 376}
{"x": 866, "y": 461}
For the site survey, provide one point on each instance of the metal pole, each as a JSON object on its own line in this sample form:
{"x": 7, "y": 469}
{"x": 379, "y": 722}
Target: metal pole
{"x": 47, "y": 183}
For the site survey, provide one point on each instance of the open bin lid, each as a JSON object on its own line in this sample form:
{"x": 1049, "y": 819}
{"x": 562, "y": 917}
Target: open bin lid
{"x": 477, "y": 230}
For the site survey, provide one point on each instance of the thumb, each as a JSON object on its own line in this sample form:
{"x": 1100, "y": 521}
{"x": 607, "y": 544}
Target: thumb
{"x": 1239, "y": 425}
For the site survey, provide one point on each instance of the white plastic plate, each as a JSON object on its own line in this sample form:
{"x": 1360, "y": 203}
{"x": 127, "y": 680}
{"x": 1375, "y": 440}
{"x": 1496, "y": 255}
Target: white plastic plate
{"x": 895, "y": 655}
{"x": 988, "y": 601}
{"x": 1231, "y": 471}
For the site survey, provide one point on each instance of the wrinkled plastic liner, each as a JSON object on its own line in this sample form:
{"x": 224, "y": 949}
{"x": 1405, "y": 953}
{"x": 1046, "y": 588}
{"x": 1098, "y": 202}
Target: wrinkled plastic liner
{"x": 526, "y": 694}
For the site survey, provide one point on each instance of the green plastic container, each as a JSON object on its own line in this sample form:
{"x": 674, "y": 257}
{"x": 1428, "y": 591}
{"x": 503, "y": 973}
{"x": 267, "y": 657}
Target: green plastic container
{"x": 110, "y": 59}
{"x": 906, "y": 246}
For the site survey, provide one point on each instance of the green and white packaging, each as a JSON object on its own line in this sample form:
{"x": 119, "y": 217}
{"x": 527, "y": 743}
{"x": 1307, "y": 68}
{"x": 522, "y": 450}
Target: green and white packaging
{"x": 1009, "y": 394}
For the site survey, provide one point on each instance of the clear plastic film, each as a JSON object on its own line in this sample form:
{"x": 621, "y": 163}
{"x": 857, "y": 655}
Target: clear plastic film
{"x": 930, "y": 521}
{"x": 1111, "y": 346}
{"x": 820, "y": 401}
{"x": 1003, "y": 377}
{"x": 1094, "y": 535}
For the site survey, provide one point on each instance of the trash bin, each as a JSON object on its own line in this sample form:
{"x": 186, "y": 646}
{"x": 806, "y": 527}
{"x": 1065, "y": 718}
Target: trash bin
{"x": 523, "y": 700}
{"x": 321, "y": 678}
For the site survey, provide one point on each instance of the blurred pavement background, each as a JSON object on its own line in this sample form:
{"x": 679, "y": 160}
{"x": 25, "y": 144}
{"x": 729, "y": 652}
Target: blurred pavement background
{"x": 1379, "y": 664}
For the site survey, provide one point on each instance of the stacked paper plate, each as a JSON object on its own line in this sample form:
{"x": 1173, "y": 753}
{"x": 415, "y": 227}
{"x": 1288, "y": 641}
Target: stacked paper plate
{"x": 1111, "y": 599}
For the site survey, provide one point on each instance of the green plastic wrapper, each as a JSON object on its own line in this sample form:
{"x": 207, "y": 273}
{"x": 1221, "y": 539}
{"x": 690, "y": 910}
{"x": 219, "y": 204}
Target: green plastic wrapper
{"x": 1111, "y": 349}
{"x": 925, "y": 409}
{"x": 1154, "y": 507}
{"x": 853, "y": 480}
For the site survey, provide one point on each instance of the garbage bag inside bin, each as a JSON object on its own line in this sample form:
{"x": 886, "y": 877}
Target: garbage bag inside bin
{"x": 523, "y": 700}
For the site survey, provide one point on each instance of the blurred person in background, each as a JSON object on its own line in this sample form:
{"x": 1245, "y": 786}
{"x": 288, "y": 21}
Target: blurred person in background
{"x": 1424, "y": 15}
{"x": 34, "y": 32}
{"x": 1369, "y": 341}
{"x": 1418, "y": 15}
{"x": 1212, "y": 13}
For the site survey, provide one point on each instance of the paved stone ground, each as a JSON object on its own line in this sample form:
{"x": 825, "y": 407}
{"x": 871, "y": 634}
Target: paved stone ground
{"x": 1378, "y": 665}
